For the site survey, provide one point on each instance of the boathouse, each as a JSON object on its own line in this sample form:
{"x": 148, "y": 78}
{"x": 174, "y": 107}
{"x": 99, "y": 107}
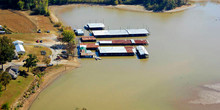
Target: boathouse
{"x": 142, "y": 52}
{"x": 137, "y": 32}
{"x": 116, "y": 51}
{"x": 90, "y": 46}
{"x": 95, "y": 26}
{"x": 84, "y": 53}
{"x": 110, "y": 33}
{"x": 88, "y": 39}
{"x": 120, "y": 33}
{"x": 79, "y": 32}
{"x": 123, "y": 42}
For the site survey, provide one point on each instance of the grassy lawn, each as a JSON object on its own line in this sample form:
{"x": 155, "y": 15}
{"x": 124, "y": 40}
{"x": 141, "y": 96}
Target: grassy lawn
{"x": 15, "y": 89}
{"x": 30, "y": 49}
{"x": 26, "y": 37}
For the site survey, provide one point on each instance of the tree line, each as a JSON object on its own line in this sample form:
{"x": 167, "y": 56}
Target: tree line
{"x": 41, "y": 6}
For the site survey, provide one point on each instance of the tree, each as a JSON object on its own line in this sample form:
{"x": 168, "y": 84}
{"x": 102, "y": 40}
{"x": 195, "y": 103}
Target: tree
{"x": 68, "y": 35}
{"x": 0, "y": 89}
{"x": 6, "y": 50}
{"x": 5, "y": 106}
{"x": 21, "y": 5}
{"x": 70, "y": 48}
{"x": 5, "y": 79}
{"x": 31, "y": 61}
{"x": 47, "y": 60}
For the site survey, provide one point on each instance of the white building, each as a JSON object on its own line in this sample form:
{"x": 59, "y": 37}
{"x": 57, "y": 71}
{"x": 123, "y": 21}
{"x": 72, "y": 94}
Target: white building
{"x": 19, "y": 47}
{"x": 1, "y": 27}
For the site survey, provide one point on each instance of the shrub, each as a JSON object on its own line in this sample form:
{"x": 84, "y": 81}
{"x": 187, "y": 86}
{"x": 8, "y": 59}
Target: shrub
{"x": 5, "y": 106}
{"x": 58, "y": 24}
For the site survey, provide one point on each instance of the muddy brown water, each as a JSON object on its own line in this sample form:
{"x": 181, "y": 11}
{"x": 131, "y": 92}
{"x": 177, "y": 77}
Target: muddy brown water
{"x": 184, "y": 54}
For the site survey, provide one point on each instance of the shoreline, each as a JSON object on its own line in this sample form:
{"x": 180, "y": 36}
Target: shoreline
{"x": 56, "y": 9}
{"x": 49, "y": 78}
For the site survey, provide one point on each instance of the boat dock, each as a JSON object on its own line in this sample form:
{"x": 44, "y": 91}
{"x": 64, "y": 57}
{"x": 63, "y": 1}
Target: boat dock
{"x": 142, "y": 52}
{"x": 120, "y": 33}
{"x": 88, "y": 39}
{"x": 94, "y": 26}
{"x": 116, "y": 51}
{"x": 123, "y": 42}
{"x": 90, "y": 46}
{"x": 84, "y": 53}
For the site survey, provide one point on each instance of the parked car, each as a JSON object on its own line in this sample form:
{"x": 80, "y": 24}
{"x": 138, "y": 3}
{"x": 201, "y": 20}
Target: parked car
{"x": 64, "y": 56}
{"x": 50, "y": 65}
{"x": 39, "y": 31}
{"x": 43, "y": 52}
{"x": 63, "y": 52}
{"x": 37, "y": 41}
{"x": 48, "y": 31}
{"x": 41, "y": 41}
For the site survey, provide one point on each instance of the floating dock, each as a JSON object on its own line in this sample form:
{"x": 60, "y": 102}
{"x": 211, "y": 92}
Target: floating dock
{"x": 142, "y": 52}
{"x": 90, "y": 46}
{"x": 123, "y": 42}
{"x": 79, "y": 32}
{"x": 88, "y": 39}
{"x": 120, "y": 33}
{"x": 116, "y": 51}
{"x": 84, "y": 53}
{"x": 95, "y": 26}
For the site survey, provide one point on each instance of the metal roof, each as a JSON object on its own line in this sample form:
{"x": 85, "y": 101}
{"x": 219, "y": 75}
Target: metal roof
{"x": 109, "y": 32}
{"x": 96, "y": 25}
{"x": 142, "y": 50}
{"x": 137, "y": 31}
{"x": 79, "y": 31}
{"x": 105, "y": 42}
{"x": 19, "y": 48}
{"x": 18, "y": 42}
{"x": 112, "y": 50}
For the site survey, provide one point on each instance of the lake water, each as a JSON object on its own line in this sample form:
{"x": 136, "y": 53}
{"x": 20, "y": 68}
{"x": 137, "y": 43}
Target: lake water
{"x": 184, "y": 54}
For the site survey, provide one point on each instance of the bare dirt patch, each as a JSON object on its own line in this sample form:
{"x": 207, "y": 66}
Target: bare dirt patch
{"x": 16, "y": 22}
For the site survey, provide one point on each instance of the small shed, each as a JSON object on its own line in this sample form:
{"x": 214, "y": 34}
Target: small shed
{"x": 19, "y": 47}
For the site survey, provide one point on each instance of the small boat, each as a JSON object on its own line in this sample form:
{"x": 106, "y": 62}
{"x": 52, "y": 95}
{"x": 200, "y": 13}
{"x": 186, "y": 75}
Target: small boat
{"x": 97, "y": 58}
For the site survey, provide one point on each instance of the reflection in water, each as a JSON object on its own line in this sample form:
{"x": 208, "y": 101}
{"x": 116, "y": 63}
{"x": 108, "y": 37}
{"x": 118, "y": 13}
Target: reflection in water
{"x": 183, "y": 51}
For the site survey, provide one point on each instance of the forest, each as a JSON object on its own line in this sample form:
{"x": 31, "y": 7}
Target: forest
{"x": 41, "y": 6}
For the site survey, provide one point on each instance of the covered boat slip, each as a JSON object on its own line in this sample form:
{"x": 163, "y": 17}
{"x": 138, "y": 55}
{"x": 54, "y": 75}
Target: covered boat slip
{"x": 123, "y": 42}
{"x": 142, "y": 52}
{"x": 90, "y": 46}
{"x": 120, "y": 33}
{"x": 88, "y": 39}
{"x": 95, "y": 26}
{"x": 116, "y": 51}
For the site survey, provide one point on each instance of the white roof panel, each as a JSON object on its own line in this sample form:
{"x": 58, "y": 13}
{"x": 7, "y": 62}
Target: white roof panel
{"x": 96, "y": 25}
{"x": 109, "y": 32}
{"x": 112, "y": 50}
{"x": 19, "y": 48}
{"x": 18, "y": 42}
{"x": 137, "y": 31}
{"x": 105, "y": 42}
{"x": 142, "y": 50}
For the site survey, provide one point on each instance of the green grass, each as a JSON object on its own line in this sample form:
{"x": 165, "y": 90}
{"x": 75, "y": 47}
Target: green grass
{"x": 15, "y": 89}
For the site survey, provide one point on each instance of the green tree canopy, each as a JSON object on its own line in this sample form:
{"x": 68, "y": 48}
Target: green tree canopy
{"x": 6, "y": 50}
{"x": 5, "y": 106}
{"x": 68, "y": 36}
{"x": 31, "y": 61}
{"x": 5, "y": 79}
